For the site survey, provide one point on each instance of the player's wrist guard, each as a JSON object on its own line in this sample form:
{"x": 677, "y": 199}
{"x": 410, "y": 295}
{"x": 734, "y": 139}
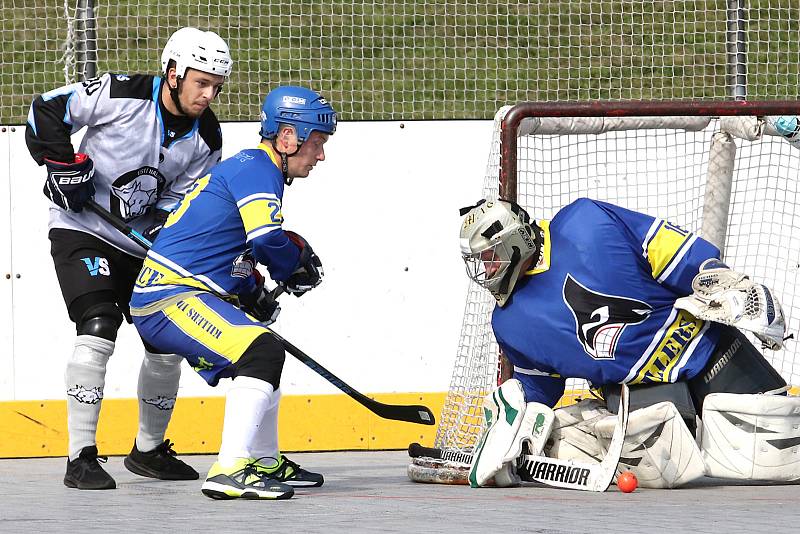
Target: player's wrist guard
{"x": 70, "y": 185}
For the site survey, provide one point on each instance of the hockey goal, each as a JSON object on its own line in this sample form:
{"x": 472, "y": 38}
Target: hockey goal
{"x": 716, "y": 168}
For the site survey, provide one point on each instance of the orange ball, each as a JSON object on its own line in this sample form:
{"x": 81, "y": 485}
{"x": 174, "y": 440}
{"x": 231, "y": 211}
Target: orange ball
{"x": 627, "y": 482}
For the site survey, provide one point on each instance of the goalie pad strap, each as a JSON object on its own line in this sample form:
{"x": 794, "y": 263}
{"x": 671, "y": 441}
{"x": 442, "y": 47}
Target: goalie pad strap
{"x": 752, "y": 437}
{"x": 659, "y": 449}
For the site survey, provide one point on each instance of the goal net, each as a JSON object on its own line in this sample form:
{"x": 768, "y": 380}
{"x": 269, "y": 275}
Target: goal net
{"x": 713, "y": 168}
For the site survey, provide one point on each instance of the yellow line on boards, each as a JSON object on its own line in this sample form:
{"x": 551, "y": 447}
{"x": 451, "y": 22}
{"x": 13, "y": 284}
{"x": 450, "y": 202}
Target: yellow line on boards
{"x": 306, "y": 423}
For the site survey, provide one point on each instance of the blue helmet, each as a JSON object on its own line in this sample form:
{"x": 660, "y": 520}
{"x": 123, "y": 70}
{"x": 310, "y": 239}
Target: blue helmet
{"x": 302, "y": 108}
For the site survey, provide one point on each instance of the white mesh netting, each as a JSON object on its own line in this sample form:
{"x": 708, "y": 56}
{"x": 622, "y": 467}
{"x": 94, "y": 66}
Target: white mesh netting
{"x": 662, "y": 172}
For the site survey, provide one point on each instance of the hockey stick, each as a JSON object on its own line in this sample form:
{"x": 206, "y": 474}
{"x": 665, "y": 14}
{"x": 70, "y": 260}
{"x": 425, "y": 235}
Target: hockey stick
{"x": 413, "y": 414}
{"x": 119, "y": 224}
{"x": 568, "y": 474}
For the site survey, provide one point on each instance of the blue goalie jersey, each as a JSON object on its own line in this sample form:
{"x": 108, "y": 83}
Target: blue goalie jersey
{"x": 599, "y": 304}
{"x": 229, "y": 220}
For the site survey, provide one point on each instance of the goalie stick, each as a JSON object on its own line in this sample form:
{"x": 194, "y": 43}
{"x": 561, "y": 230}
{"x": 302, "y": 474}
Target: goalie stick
{"x": 568, "y": 474}
{"x": 421, "y": 415}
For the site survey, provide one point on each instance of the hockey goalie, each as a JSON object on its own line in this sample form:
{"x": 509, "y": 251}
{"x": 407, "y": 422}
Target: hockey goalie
{"x": 617, "y": 297}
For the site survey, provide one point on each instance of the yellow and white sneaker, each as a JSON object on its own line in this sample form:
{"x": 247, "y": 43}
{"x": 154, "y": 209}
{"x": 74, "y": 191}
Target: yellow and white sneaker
{"x": 288, "y": 472}
{"x": 243, "y": 481}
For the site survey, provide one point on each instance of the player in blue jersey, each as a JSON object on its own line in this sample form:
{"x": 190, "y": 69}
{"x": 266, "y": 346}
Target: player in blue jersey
{"x": 200, "y": 295}
{"x": 613, "y": 296}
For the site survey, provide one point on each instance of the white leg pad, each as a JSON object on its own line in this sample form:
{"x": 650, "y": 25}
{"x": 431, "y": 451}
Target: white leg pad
{"x": 573, "y": 436}
{"x": 509, "y": 423}
{"x": 659, "y": 449}
{"x": 751, "y": 437}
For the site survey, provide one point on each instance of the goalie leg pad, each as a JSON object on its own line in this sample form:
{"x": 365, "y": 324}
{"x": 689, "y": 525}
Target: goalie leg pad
{"x": 509, "y": 423}
{"x": 659, "y": 449}
{"x": 573, "y": 436}
{"x": 752, "y": 437}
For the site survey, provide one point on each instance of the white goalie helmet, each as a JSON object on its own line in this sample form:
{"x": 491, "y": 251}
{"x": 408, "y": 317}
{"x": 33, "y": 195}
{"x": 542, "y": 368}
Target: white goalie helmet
{"x": 191, "y": 48}
{"x": 497, "y": 239}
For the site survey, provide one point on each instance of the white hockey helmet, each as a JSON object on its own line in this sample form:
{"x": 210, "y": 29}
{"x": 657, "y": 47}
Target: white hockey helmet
{"x": 191, "y": 48}
{"x": 496, "y": 240}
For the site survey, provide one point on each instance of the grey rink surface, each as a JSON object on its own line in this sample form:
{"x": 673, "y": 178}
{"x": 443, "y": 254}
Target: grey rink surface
{"x": 370, "y": 492}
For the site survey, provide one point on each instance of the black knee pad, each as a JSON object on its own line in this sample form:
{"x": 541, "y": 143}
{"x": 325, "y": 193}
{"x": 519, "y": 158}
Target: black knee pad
{"x": 735, "y": 367}
{"x": 644, "y": 395}
{"x": 263, "y": 359}
{"x": 101, "y": 320}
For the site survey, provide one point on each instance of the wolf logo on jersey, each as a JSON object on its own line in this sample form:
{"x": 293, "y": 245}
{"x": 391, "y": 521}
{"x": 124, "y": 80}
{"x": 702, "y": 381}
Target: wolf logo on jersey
{"x": 600, "y": 319}
{"x": 134, "y": 192}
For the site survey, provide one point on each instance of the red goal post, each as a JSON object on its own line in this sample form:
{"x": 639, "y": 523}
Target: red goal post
{"x": 717, "y": 168}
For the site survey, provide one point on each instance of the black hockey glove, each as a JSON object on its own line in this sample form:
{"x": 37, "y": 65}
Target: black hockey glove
{"x": 309, "y": 274}
{"x": 260, "y": 303}
{"x": 70, "y": 185}
{"x": 159, "y": 218}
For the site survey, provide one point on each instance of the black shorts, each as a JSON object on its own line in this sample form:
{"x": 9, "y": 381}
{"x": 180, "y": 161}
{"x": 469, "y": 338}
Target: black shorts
{"x": 91, "y": 272}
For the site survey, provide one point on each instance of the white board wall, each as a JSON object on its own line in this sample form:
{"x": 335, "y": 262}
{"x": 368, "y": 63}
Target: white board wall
{"x": 382, "y": 214}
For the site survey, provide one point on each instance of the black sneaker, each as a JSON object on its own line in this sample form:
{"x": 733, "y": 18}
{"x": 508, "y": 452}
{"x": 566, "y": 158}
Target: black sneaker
{"x": 86, "y": 473}
{"x": 288, "y": 472}
{"x": 159, "y": 463}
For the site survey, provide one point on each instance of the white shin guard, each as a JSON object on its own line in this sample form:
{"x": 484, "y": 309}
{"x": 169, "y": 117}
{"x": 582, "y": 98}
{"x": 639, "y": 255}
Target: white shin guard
{"x": 265, "y": 442}
{"x": 157, "y": 390}
{"x": 85, "y": 378}
{"x": 245, "y": 404}
{"x": 751, "y": 437}
{"x": 659, "y": 449}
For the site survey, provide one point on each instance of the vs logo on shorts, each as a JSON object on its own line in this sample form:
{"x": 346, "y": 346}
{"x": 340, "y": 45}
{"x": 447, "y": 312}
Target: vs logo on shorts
{"x": 600, "y": 319}
{"x": 97, "y": 266}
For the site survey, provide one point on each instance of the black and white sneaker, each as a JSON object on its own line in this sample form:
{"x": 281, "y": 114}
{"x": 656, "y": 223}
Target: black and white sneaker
{"x": 159, "y": 463}
{"x": 86, "y": 473}
{"x": 289, "y": 472}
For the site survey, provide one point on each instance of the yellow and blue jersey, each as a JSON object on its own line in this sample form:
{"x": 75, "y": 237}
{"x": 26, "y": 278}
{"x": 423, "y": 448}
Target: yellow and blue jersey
{"x": 229, "y": 220}
{"x": 600, "y": 303}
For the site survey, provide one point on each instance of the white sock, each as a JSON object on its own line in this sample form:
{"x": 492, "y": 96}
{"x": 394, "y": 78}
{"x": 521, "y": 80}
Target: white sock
{"x": 245, "y": 404}
{"x": 157, "y": 390}
{"x": 85, "y": 378}
{"x": 265, "y": 442}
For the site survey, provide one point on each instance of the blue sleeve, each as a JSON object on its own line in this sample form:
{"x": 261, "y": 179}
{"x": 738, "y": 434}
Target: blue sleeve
{"x": 670, "y": 254}
{"x": 539, "y": 385}
{"x": 259, "y": 201}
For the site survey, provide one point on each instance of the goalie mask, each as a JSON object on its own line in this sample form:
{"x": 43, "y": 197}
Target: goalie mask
{"x": 497, "y": 239}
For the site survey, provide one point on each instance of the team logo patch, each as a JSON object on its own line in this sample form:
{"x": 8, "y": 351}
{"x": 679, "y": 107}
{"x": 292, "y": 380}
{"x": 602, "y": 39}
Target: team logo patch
{"x": 134, "y": 192}
{"x": 600, "y": 319}
{"x": 84, "y": 395}
{"x": 161, "y": 402}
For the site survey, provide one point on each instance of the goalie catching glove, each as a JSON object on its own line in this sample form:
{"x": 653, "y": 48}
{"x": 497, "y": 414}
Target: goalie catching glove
{"x": 309, "y": 273}
{"x": 725, "y": 296}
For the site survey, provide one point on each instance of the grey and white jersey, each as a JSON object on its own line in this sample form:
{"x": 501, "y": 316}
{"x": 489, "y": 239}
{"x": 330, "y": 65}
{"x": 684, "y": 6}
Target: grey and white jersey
{"x": 141, "y": 161}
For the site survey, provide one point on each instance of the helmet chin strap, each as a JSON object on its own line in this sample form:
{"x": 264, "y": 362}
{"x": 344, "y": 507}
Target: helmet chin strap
{"x": 173, "y": 93}
{"x": 285, "y": 163}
